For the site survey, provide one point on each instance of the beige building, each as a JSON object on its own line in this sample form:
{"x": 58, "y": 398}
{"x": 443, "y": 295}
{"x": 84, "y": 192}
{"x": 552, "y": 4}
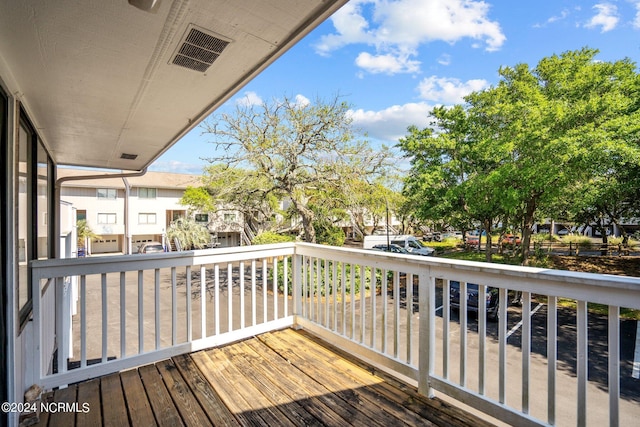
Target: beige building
{"x": 127, "y": 212}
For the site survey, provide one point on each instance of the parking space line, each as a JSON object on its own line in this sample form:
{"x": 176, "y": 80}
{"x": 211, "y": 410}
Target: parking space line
{"x": 519, "y": 324}
{"x": 636, "y": 359}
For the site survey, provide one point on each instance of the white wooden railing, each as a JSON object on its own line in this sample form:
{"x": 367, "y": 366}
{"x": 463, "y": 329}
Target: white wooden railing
{"x": 531, "y": 367}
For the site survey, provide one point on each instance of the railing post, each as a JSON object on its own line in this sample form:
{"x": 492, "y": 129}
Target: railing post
{"x": 427, "y": 332}
{"x": 296, "y": 287}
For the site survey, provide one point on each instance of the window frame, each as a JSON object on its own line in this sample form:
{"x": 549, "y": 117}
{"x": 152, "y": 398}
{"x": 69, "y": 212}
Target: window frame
{"x": 108, "y": 192}
{"x": 147, "y": 190}
{"x": 108, "y": 215}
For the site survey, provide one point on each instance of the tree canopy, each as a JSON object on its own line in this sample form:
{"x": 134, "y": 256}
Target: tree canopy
{"x": 303, "y": 152}
{"x": 548, "y": 141}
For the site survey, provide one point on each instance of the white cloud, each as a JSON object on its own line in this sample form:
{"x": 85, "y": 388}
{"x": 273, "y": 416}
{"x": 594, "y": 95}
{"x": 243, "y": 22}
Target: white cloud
{"x": 302, "y": 101}
{"x": 606, "y": 18}
{"x": 398, "y": 27}
{"x": 447, "y": 90}
{"x": 444, "y": 59}
{"x": 388, "y": 63}
{"x": 249, "y": 99}
{"x": 636, "y": 20}
{"x": 391, "y": 123}
{"x": 176, "y": 166}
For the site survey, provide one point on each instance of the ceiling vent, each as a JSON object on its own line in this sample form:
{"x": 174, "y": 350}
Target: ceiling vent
{"x": 128, "y": 156}
{"x": 198, "y": 49}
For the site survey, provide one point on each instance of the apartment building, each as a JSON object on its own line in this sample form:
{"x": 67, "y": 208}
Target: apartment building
{"x": 127, "y": 211}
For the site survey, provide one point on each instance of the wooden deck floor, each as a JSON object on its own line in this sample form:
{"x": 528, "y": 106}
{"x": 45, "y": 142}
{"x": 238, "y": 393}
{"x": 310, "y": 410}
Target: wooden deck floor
{"x": 283, "y": 378}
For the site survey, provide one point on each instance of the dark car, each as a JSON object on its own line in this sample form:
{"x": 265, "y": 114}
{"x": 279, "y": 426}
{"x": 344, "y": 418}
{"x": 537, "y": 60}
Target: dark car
{"x": 151, "y": 248}
{"x": 472, "y": 298}
{"x": 390, "y": 248}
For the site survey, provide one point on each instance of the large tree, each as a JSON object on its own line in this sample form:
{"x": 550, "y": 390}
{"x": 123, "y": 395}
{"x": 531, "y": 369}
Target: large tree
{"x": 535, "y": 136}
{"x": 292, "y": 149}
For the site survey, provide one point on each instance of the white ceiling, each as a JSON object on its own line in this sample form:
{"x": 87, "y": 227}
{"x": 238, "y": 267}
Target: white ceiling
{"x": 96, "y": 76}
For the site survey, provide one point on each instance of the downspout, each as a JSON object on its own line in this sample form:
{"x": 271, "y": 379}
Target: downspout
{"x": 127, "y": 229}
{"x": 62, "y": 180}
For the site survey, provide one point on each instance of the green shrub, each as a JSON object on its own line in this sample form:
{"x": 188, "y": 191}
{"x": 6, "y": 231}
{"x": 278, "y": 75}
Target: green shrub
{"x": 268, "y": 237}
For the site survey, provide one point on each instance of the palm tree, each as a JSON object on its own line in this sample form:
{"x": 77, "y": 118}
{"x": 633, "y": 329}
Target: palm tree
{"x": 189, "y": 233}
{"x": 84, "y": 233}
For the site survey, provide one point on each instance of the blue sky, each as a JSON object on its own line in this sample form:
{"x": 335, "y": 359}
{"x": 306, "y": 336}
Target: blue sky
{"x": 394, "y": 60}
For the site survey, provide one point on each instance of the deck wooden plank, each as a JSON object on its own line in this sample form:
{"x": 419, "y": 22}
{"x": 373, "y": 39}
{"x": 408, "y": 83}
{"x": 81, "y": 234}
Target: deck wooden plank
{"x": 353, "y": 393}
{"x": 309, "y": 386}
{"x": 89, "y": 395}
{"x": 354, "y": 377}
{"x": 269, "y": 388}
{"x": 209, "y": 400}
{"x": 43, "y": 419}
{"x": 64, "y": 418}
{"x": 433, "y": 409}
{"x": 245, "y": 389}
{"x": 322, "y": 408}
{"x": 140, "y": 413}
{"x": 186, "y": 403}
{"x": 114, "y": 409}
{"x": 162, "y": 405}
{"x": 225, "y": 389}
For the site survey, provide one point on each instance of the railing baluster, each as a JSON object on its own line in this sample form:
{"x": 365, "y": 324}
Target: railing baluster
{"x": 83, "y": 321}
{"x": 502, "y": 346}
{"x": 241, "y": 271}
{"x": 463, "y": 333}
{"x": 383, "y": 326}
{"x": 318, "y": 288}
{"x": 526, "y": 350}
{"x": 189, "y": 314}
{"x": 363, "y": 308}
{"x": 285, "y": 285}
{"x": 253, "y": 292}
{"x": 482, "y": 337}
{"x": 352, "y": 284}
{"x": 334, "y": 292}
{"x": 157, "y": 305}
{"x": 552, "y": 357}
{"x": 614, "y": 365}
{"x": 326, "y": 293}
{"x": 230, "y": 298}
{"x": 409, "y": 308}
{"x": 174, "y": 308}
{"x": 275, "y": 288}
{"x": 265, "y": 285}
{"x": 396, "y": 313}
{"x": 446, "y": 323}
{"x": 343, "y": 289}
{"x": 374, "y": 290}
{"x": 216, "y": 301}
{"x": 203, "y": 302}
{"x": 123, "y": 316}
{"x": 103, "y": 286}
{"x": 140, "y": 312}
{"x": 384, "y": 312}
{"x": 582, "y": 361}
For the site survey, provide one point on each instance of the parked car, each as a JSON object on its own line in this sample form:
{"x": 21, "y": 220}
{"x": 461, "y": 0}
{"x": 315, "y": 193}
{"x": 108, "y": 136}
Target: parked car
{"x": 491, "y": 299}
{"x": 151, "y": 248}
{"x": 391, "y": 248}
{"x": 511, "y": 239}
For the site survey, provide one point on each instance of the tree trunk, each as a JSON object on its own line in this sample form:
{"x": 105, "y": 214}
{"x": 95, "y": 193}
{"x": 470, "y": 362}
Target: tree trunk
{"x": 487, "y": 248}
{"x": 527, "y": 226}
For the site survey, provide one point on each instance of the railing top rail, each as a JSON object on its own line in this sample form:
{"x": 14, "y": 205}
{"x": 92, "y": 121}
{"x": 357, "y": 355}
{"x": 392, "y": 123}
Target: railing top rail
{"x": 116, "y": 263}
{"x": 602, "y": 288}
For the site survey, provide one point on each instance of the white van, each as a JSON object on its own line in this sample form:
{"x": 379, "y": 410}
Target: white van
{"x": 410, "y": 243}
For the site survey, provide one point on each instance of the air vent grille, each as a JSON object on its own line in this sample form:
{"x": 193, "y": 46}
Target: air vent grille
{"x": 199, "y": 50}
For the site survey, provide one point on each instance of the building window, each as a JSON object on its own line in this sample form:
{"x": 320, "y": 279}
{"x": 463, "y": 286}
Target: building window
{"x": 81, "y": 214}
{"x": 229, "y": 217}
{"x": 146, "y": 218}
{"x": 107, "y": 193}
{"x": 35, "y": 195}
{"x": 202, "y": 217}
{"x": 147, "y": 193}
{"x": 106, "y": 218}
